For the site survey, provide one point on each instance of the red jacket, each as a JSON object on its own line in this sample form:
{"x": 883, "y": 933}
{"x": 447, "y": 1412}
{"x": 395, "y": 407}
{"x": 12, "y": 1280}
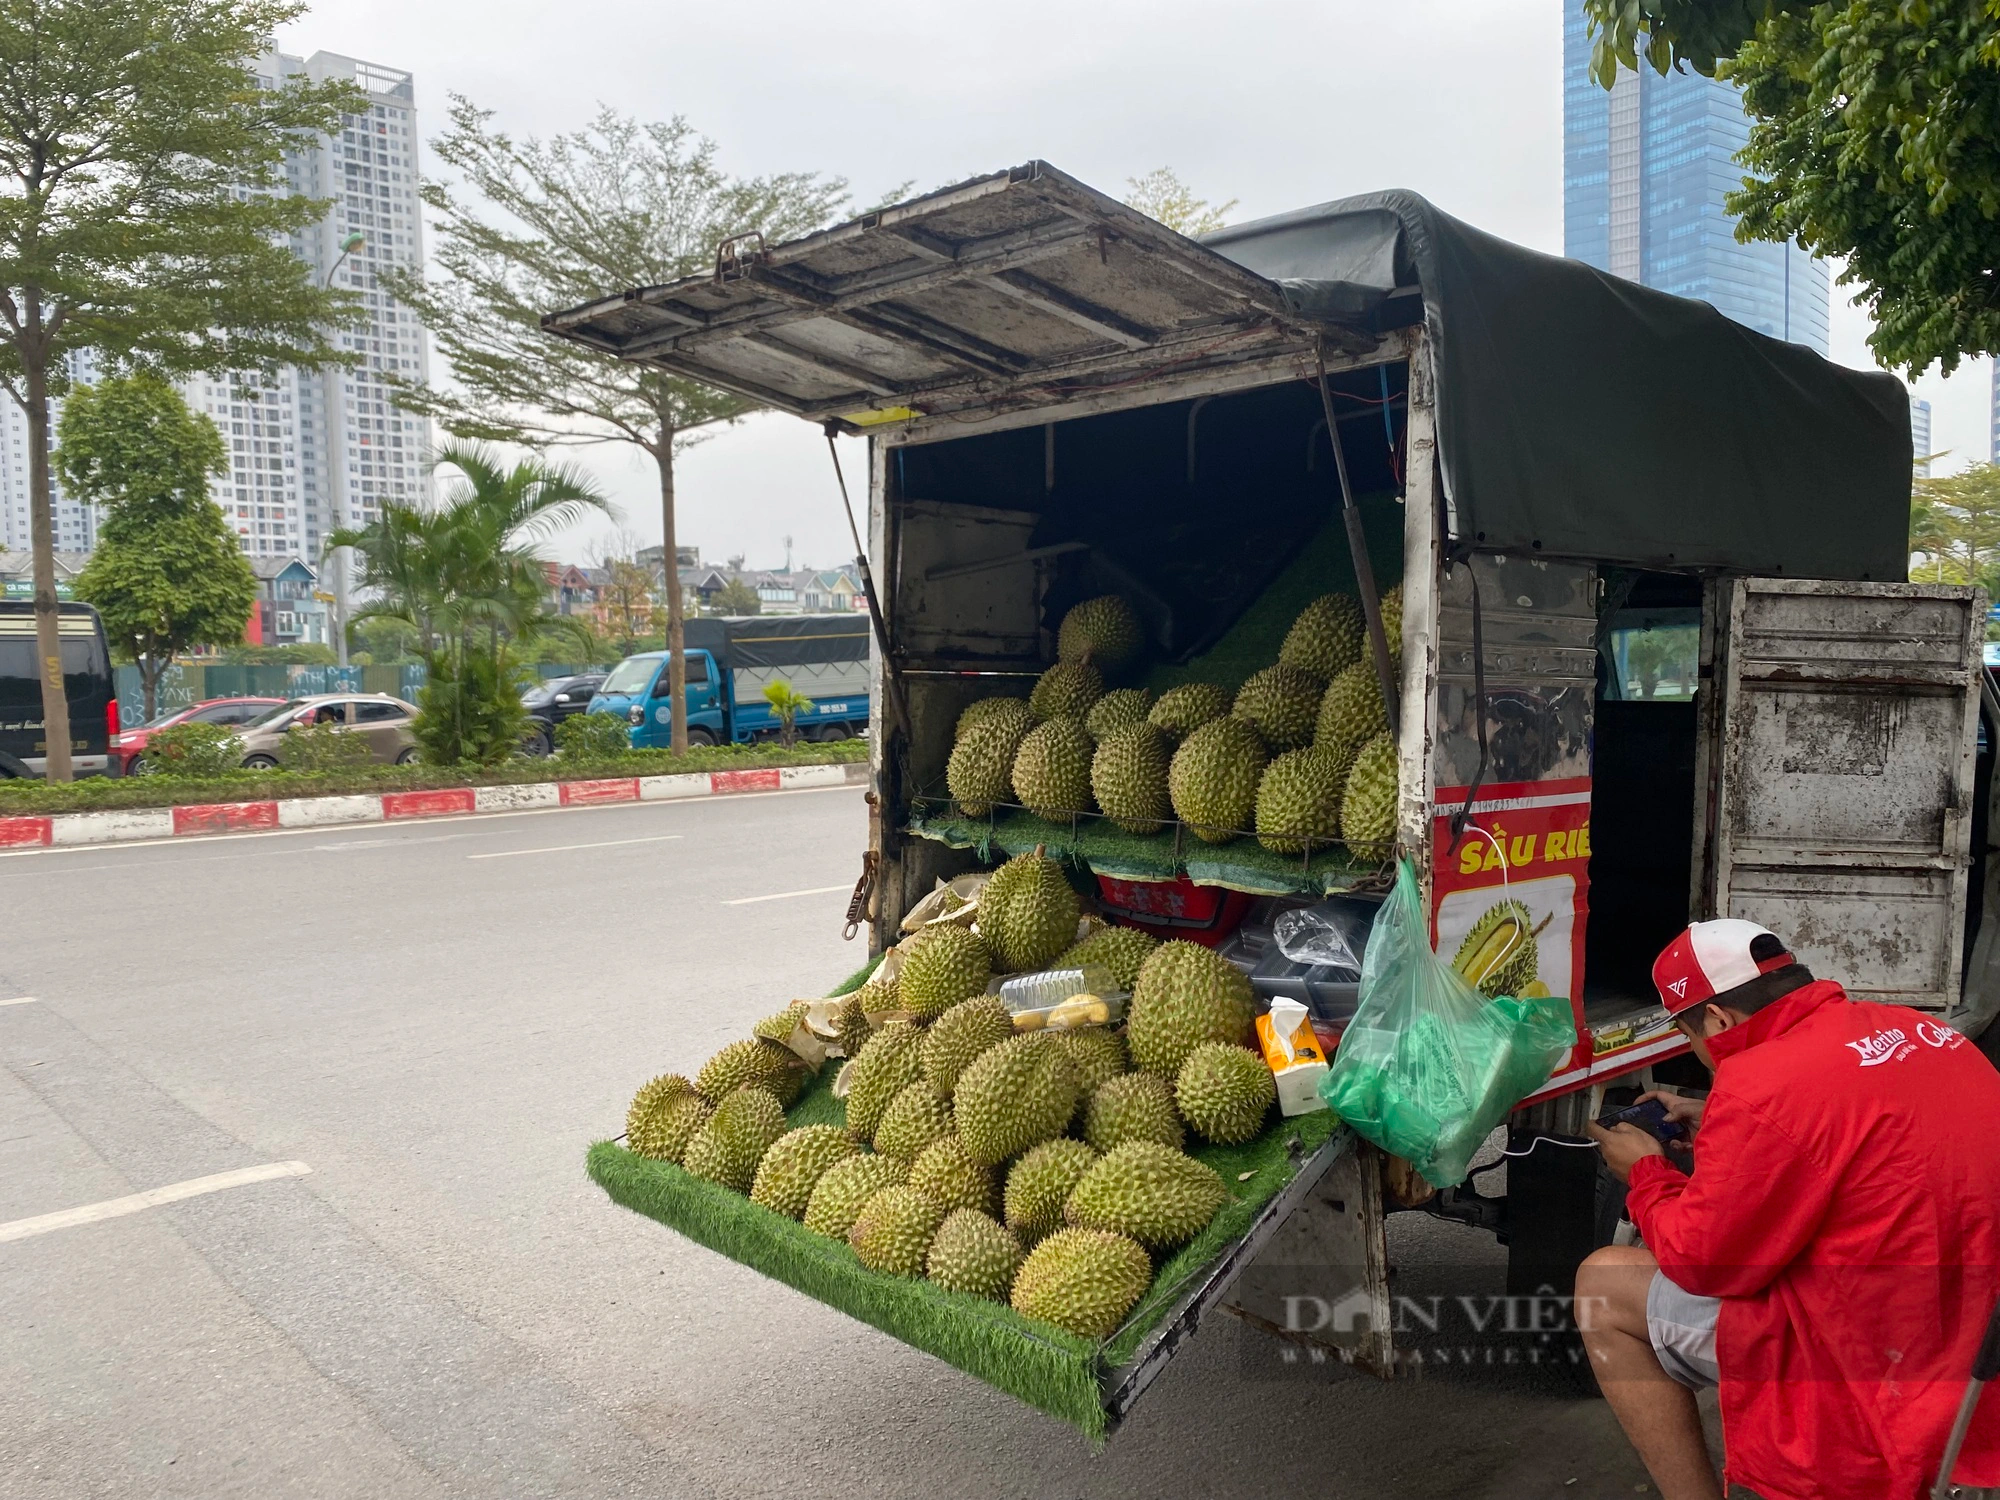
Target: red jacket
{"x": 1846, "y": 1208}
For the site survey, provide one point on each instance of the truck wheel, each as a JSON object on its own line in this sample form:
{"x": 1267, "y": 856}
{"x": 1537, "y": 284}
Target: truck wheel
{"x": 834, "y": 733}
{"x": 699, "y": 738}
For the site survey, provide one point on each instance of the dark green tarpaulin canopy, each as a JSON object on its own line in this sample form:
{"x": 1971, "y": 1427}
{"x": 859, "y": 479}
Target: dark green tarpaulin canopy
{"x": 1581, "y": 414}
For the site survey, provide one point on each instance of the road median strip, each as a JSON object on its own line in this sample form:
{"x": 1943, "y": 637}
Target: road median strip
{"x": 52, "y": 830}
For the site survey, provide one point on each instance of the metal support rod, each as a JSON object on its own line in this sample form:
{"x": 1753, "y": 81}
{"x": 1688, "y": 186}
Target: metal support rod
{"x": 892, "y": 685}
{"x": 1357, "y": 546}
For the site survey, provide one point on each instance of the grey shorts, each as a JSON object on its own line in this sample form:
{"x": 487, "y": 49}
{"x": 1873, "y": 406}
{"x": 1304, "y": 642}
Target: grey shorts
{"x": 1682, "y": 1329}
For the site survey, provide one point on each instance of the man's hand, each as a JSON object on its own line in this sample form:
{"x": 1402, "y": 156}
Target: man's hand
{"x": 1622, "y": 1146}
{"x": 1680, "y": 1109}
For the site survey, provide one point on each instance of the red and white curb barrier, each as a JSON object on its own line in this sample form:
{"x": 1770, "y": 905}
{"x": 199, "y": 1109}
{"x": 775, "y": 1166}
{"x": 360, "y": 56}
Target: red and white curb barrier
{"x": 61, "y": 829}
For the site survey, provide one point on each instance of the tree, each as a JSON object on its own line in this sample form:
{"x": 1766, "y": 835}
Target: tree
{"x": 1875, "y": 136}
{"x": 146, "y": 218}
{"x": 559, "y": 223}
{"x": 1955, "y": 527}
{"x": 1163, "y": 196}
{"x": 167, "y": 575}
{"x": 629, "y": 608}
{"x": 736, "y": 597}
{"x": 465, "y": 575}
{"x": 787, "y": 702}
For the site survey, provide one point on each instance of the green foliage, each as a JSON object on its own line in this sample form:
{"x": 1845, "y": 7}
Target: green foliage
{"x": 322, "y": 747}
{"x": 787, "y": 702}
{"x": 541, "y": 225}
{"x": 192, "y": 750}
{"x": 384, "y": 640}
{"x": 593, "y": 737}
{"x": 736, "y": 597}
{"x": 304, "y": 654}
{"x": 1875, "y": 137}
{"x": 464, "y": 575}
{"x": 1955, "y": 527}
{"x": 1163, "y": 196}
{"x": 167, "y": 575}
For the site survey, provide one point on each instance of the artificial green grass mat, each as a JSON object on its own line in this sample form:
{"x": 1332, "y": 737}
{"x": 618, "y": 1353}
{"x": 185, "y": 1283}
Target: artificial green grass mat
{"x": 1241, "y": 865}
{"x": 1050, "y": 1370}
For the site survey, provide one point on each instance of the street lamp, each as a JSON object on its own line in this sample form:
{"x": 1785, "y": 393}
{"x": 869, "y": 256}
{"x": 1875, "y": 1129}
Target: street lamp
{"x": 353, "y": 241}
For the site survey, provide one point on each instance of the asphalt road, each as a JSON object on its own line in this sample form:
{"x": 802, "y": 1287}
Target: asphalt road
{"x": 436, "y": 1018}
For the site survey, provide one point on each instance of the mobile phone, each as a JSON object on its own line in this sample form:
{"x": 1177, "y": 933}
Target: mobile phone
{"x": 1650, "y": 1116}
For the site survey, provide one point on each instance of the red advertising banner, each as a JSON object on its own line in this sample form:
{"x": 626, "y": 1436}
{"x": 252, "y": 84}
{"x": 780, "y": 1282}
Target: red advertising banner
{"x": 1509, "y": 903}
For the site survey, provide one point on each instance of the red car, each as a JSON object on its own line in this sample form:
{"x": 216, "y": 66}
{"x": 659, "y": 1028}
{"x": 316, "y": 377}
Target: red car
{"x": 129, "y": 746}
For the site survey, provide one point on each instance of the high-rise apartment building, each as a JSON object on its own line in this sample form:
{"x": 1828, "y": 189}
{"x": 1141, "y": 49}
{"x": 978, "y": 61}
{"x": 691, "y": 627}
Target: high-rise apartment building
{"x": 311, "y": 451}
{"x": 1920, "y": 435}
{"x": 1646, "y": 166}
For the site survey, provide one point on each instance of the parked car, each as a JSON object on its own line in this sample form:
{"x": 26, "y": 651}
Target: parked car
{"x": 549, "y": 703}
{"x": 130, "y": 746}
{"x": 87, "y": 684}
{"x": 381, "y": 720}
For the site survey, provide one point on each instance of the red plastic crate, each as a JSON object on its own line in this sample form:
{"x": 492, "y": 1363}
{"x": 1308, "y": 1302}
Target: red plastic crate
{"x": 1204, "y": 914}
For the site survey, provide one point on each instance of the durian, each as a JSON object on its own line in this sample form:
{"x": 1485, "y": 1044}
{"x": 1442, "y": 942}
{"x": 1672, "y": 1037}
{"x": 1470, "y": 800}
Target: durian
{"x": 941, "y": 966}
{"x": 1157, "y": 1195}
{"x": 1040, "y": 1183}
{"x": 980, "y": 771}
{"x": 1098, "y": 1055}
{"x": 793, "y": 1166}
{"x": 1185, "y": 996}
{"x": 1128, "y": 776}
{"x": 1224, "y": 1092}
{"x": 943, "y": 1173}
{"x": 727, "y": 1149}
{"x": 848, "y": 1184}
{"x": 1066, "y": 691}
{"x": 779, "y": 1028}
{"x": 974, "y": 1254}
{"x": 1299, "y": 800}
{"x": 1392, "y": 621}
{"x": 664, "y": 1116}
{"x": 890, "y": 1062}
{"x": 850, "y": 1023}
{"x": 914, "y": 1118}
{"x": 893, "y": 1231}
{"x": 985, "y": 710}
{"x": 1368, "y": 805}
{"x": 1184, "y": 709}
{"x": 1028, "y": 912}
{"x": 1116, "y": 709}
{"x": 1014, "y": 1096}
{"x": 754, "y": 1061}
{"x": 1103, "y": 631}
{"x": 1119, "y": 949}
{"x": 1051, "y": 776}
{"x": 1281, "y": 704}
{"x": 960, "y": 1035}
{"x": 1326, "y": 639}
{"x": 1213, "y": 779}
{"x": 1082, "y": 1281}
{"x": 1500, "y": 954}
{"x": 1134, "y": 1107}
{"x": 1351, "y": 713}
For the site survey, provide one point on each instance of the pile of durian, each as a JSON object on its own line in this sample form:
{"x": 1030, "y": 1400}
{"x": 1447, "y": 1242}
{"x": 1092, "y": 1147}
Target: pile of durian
{"x": 1043, "y": 1168}
{"x": 1299, "y": 753}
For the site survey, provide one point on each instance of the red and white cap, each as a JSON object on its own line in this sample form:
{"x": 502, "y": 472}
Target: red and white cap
{"x": 1712, "y": 958}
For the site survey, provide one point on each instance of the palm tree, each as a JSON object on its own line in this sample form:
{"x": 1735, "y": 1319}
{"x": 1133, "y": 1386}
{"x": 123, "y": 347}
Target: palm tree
{"x": 464, "y": 573}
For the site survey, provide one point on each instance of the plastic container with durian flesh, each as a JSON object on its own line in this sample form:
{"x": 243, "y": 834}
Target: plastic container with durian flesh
{"x": 1063, "y": 999}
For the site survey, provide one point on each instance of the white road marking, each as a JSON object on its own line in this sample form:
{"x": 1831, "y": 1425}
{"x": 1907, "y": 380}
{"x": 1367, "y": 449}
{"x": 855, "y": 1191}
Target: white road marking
{"x": 185, "y": 841}
{"x": 818, "y": 890}
{"x": 174, "y": 1192}
{"x": 660, "y": 838}
{"x": 19, "y": 1000}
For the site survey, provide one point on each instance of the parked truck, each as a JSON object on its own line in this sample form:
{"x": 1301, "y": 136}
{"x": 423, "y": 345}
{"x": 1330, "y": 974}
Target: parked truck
{"x": 730, "y": 661}
{"x": 1658, "y": 658}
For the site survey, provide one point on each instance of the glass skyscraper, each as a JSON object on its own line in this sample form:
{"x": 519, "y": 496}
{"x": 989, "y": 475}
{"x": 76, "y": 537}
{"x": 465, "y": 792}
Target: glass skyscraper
{"x": 1646, "y": 166}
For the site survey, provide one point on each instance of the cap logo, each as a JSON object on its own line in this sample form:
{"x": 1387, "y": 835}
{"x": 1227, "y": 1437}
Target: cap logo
{"x": 1680, "y": 987}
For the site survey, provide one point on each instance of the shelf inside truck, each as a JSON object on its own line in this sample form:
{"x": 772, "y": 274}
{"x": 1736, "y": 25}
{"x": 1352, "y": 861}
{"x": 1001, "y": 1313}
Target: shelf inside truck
{"x": 1089, "y": 1385}
{"x": 1242, "y": 864}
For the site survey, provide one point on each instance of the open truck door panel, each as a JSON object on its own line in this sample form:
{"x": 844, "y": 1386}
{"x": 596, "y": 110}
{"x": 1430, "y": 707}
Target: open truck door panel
{"x": 1568, "y": 473}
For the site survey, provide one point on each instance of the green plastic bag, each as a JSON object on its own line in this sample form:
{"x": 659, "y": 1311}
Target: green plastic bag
{"x": 1428, "y": 1066}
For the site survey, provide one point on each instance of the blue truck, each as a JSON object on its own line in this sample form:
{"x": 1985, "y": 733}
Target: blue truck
{"x": 730, "y": 661}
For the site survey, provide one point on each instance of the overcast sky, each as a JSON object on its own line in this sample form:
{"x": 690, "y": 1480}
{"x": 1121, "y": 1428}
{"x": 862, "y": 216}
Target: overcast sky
{"x": 1275, "y": 104}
